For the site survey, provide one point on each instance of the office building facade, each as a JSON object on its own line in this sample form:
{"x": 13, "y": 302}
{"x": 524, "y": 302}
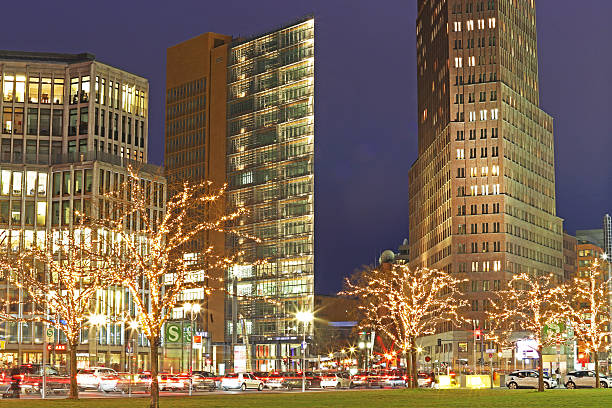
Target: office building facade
{"x": 482, "y": 190}
{"x": 70, "y": 127}
{"x": 258, "y": 136}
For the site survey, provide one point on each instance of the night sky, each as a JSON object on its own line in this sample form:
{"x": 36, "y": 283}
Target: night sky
{"x": 365, "y": 97}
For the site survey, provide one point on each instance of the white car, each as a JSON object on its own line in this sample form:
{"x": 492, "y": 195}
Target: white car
{"x": 585, "y": 378}
{"x": 97, "y": 378}
{"x": 528, "y": 379}
{"x": 169, "y": 382}
{"x": 241, "y": 381}
{"x": 336, "y": 380}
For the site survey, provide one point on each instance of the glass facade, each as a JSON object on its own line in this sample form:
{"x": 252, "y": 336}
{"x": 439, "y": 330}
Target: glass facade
{"x": 270, "y": 170}
{"x": 54, "y": 162}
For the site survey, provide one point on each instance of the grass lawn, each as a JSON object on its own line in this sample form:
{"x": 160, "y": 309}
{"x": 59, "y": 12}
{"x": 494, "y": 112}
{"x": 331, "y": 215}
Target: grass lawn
{"x": 355, "y": 399}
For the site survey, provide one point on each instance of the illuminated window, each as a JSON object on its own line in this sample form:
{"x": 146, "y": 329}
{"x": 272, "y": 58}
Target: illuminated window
{"x": 474, "y": 190}
{"x": 42, "y": 184}
{"x": 472, "y": 61}
{"x": 457, "y": 26}
{"x": 492, "y": 22}
{"x": 474, "y": 266}
{"x": 474, "y": 172}
{"x": 20, "y": 88}
{"x": 484, "y": 189}
{"x": 8, "y": 88}
{"x": 495, "y": 188}
{"x": 484, "y": 171}
{"x": 483, "y": 114}
{"x": 496, "y": 266}
{"x": 74, "y": 90}
{"x": 472, "y": 116}
{"x": 481, "y": 24}
{"x": 58, "y": 91}
{"x": 5, "y": 182}
{"x": 470, "y": 25}
{"x": 85, "y": 89}
{"x": 33, "y": 84}
{"x": 494, "y": 114}
{"x": 460, "y": 154}
{"x": 458, "y": 62}
{"x": 495, "y": 170}
{"x": 17, "y": 176}
{"x": 30, "y": 183}
{"x": 485, "y": 266}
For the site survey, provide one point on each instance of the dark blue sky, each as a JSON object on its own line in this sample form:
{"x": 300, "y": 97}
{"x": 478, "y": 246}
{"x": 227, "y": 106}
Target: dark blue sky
{"x": 365, "y": 98}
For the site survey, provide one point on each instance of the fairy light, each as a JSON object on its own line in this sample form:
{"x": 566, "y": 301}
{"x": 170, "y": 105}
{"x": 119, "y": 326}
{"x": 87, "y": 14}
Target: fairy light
{"x": 151, "y": 257}
{"x": 528, "y": 304}
{"x": 405, "y": 304}
{"x": 586, "y": 310}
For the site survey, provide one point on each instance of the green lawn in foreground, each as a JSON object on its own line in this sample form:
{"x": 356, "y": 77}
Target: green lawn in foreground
{"x": 355, "y": 399}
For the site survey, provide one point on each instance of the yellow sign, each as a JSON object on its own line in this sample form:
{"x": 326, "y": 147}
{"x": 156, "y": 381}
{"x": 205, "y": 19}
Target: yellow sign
{"x": 2, "y": 344}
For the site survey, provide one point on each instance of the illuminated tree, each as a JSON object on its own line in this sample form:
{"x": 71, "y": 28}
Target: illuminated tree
{"x": 528, "y": 304}
{"x": 405, "y": 304}
{"x": 61, "y": 279}
{"x": 148, "y": 253}
{"x": 587, "y": 310}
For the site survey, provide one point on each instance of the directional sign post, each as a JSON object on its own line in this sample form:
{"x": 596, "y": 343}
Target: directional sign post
{"x": 173, "y": 333}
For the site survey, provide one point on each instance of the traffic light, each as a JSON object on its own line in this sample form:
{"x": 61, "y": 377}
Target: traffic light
{"x": 439, "y": 342}
{"x": 477, "y": 334}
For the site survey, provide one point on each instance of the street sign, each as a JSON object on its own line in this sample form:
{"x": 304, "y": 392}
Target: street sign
{"x": 427, "y": 359}
{"x": 50, "y": 334}
{"x": 2, "y": 344}
{"x": 197, "y": 342}
{"x": 187, "y": 334}
{"x": 491, "y": 351}
{"x": 490, "y": 355}
{"x": 303, "y": 345}
{"x": 173, "y": 333}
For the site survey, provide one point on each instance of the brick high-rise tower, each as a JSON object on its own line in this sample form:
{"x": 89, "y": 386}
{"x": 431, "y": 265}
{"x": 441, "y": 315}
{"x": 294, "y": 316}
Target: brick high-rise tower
{"x": 482, "y": 191}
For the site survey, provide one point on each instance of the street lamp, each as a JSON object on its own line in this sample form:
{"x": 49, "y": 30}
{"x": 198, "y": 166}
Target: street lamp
{"x": 305, "y": 317}
{"x": 192, "y": 308}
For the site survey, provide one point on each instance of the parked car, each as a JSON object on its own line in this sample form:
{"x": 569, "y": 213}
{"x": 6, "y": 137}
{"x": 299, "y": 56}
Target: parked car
{"x": 203, "y": 382}
{"x": 31, "y": 379}
{"x": 528, "y": 379}
{"x": 241, "y": 381}
{"x": 294, "y": 380}
{"x": 585, "y": 379}
{"x": 97, "y": 378}
{"x": 336, "y": 380}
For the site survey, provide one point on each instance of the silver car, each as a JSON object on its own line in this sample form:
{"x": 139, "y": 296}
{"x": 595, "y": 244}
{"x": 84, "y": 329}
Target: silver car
{"x": 585, "y": 379}
{"x": 528, "y": 379}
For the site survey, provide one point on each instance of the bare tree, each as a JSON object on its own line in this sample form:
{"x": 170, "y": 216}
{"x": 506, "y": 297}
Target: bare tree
{"x": 527, "y": 304}
{"x": 405, "y": 304}
{"x": 151, "y": 256}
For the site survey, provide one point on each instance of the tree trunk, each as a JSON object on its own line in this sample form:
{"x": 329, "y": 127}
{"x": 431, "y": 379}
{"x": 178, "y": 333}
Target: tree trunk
{"x": 415, "y": 369}
{"x": 408, "y": 368}
{"x": 597, "y": 383}
{"x": 74, "y": 387}
{"x": 540, "y": 370}
{"x": 154, "y": 370}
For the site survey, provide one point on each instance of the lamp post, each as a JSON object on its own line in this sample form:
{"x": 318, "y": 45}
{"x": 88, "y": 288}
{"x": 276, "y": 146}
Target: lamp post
{"x": 191, "y": 308}
{"x": 305, "y": 318}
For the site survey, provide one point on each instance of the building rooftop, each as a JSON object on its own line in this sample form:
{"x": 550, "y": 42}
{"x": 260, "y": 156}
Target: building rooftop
{"x": 46, "y": 56}
{"x": 241, "y": 40}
